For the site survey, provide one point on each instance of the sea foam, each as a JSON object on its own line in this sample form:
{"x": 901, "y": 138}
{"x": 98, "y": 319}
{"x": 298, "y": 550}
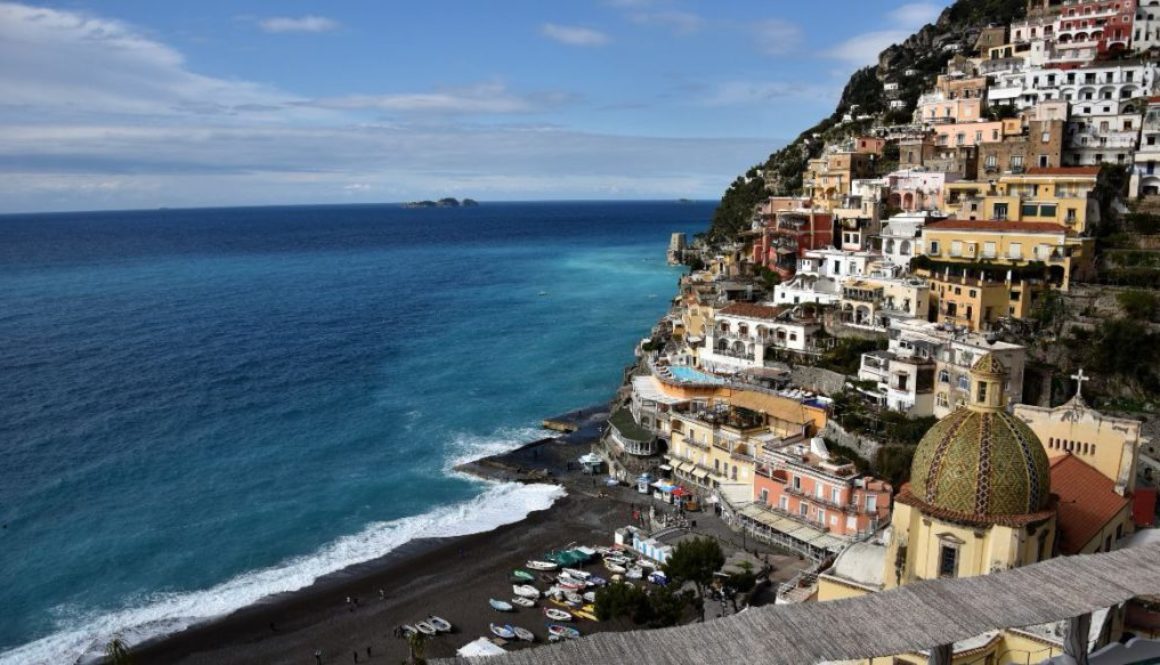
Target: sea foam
{"x": 82, "y": 639}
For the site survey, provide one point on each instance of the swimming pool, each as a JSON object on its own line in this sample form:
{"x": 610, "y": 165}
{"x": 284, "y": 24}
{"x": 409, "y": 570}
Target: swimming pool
{"x": 690, "y": 375}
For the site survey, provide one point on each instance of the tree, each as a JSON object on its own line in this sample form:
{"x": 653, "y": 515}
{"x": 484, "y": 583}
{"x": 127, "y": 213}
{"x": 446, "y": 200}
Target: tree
{"x": 696, "y": 561}
{"x": 620, "y": 600}
{"x": 1139, "y": 305}
{"x": 667, "y": 606}
{"x": 417, "y": 644}
{"x": 117, "y": 651}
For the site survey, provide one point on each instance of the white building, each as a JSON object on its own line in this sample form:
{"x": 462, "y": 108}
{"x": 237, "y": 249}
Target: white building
{"x": 744, "y": 335}
{"x": 925, "y": 369}
{"x": 1104, "y": 83}
{"x": 1145, "y": 179}
{"x": 900, "y": 237}
{"x": 1102, "y": 131}
{"x": 1146, "y": 27}
{"x": 874, "y": 300}
{"x": 837, "y": 263}
{"x": 807, "y": 288}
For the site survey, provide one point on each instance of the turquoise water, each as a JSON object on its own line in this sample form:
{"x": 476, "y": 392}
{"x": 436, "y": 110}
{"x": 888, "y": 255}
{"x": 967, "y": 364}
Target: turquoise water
{"x": 690, "y": 375}
{"x": 203, "y": 407}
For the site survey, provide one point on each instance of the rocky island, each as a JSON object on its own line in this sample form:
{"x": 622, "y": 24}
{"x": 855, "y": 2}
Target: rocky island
{"x": 442, "y": 203}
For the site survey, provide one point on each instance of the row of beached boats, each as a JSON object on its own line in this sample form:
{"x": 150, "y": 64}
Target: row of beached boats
{"x": 430, "y": 626}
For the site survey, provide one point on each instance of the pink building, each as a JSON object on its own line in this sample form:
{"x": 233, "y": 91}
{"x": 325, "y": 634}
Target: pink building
{"x": 1103, "y": 24}
{"x": 968, "y": 133}
{"x": 811, "y": 486}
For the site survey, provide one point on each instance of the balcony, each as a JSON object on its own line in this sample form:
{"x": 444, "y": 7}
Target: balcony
{"x": 796, "y": 517}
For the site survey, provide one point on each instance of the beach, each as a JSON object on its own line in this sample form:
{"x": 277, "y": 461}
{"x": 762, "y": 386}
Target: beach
{"x": 452, "y": 578}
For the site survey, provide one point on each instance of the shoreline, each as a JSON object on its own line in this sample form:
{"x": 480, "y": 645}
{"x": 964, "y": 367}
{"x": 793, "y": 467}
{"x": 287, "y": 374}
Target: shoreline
{"x": 287, "y": 625}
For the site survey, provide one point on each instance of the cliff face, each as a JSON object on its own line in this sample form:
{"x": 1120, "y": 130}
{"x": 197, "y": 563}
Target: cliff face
{"x": 913, "y": 64}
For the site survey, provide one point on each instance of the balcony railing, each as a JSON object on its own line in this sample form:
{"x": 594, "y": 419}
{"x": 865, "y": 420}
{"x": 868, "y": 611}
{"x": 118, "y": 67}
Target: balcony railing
{"x": 797, "y": 517}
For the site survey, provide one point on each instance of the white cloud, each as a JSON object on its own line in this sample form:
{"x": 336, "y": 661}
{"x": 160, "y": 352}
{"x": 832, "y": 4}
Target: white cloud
{"x": 863, "y": 49}
{"x": 916, "y": 15}
{"x": 573, "y": 35}
{"x": 680, "y": 22}
{"x": 307, "y": 23}
{"x": 484, "y": 98}
{"x": 746, "y": 93}
{"x": 775, "y": 36}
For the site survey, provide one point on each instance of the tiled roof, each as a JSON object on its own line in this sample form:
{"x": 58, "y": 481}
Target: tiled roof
{"x": 1087, "y": 501}
{"x": 1064, "y": 170}
{"x": 751, "y": 311}
{"x": 989, "y": 364}
{"x": 981, "y": 464}
{"x": 907, "y": 497}
{"x": 995, "y": 225}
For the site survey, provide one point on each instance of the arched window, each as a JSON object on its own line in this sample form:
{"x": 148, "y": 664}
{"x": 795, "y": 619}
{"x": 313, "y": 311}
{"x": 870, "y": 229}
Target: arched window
{"x": 944, "y": 376}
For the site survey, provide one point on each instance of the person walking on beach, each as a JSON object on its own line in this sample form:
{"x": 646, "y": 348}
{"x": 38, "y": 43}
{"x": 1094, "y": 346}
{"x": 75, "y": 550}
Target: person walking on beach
{"x": 382, "y": 594}
{"x": 318, "y": 656}
{"x": 355, "y": 653}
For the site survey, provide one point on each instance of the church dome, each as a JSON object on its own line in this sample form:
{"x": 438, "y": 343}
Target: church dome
{"x": 981, "y": 463}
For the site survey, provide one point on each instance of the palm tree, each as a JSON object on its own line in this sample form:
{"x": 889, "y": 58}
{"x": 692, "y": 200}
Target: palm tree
{"x": 117, "y": 651}
{"x": 417, "y": 642}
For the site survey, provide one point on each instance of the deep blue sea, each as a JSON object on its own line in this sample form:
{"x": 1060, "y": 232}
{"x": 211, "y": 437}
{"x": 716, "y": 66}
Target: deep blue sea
{"x": 199, "y": 408}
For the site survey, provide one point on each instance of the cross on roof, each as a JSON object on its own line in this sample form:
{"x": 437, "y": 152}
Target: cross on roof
{"x": 1079, "y": 378}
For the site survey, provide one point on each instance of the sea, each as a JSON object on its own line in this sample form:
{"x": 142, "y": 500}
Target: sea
{"x": 200, "y": 408}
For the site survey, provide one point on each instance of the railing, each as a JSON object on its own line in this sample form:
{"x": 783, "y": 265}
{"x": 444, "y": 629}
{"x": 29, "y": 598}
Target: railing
{"x": 796, "y": 517}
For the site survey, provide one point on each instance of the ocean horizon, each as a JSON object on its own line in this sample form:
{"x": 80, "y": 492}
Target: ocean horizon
{"x": 206, "y": 406}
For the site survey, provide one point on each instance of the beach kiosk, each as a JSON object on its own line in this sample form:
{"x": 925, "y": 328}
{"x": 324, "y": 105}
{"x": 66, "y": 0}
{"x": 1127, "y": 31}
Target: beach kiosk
{"x": 643, "y": 482}
{"x": 591, "y": 463}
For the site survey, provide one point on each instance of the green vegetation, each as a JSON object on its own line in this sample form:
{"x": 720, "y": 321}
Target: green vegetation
{"x": 696, "y": 561}
{"x": 769, "y": 278}
{"x": 1033, "y": 269}
{"x": 982, "y": 12}
{"x": 846, "y": 355}
{"x": 1118, "y": 348}
{"x": 657, "y": 608}
{"x": 735, "y": 211}
{"x": 1139, "y": 305}
{"x": 848, "y": 454}
{"x": 893, "y": 464}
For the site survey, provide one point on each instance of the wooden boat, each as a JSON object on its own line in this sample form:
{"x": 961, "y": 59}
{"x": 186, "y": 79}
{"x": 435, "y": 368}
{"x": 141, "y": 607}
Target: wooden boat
{"x": 500, "y": 605}
{"x": 566, "y": 632}
{"x": 541, "y": 565}
{"x": 614, "y": 567}
{"x": 426, "y": 628}
{"x": 503, "y": 631}
{"x": 557, "y": 615}
{"x": 442, "y": 625}
{"x": 523, "y": 602}
{"x": 525, "y": 590}
{"x": 523, "y": 575}
{"x": 522, "y": 633}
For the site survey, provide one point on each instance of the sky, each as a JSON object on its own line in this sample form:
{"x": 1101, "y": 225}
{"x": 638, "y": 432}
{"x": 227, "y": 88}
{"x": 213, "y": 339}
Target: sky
{"x": 141, "y": 104}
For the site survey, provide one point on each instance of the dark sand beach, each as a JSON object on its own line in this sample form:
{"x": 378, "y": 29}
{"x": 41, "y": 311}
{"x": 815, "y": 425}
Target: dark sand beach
{"x": 452, "y": 578}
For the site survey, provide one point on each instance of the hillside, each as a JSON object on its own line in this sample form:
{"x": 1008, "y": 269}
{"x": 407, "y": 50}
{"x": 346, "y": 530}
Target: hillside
{"x": 914, "y": 64}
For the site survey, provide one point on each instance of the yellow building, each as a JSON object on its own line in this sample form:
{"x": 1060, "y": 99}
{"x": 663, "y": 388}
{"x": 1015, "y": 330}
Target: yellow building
{"x": 716, "y": 444}
{"x": 1062, "y": 195}
{"x": 1003, "y": 244}
{"x": 978, "y": 303}
{"x": 828, "y": 178}
{"x": 983, "y": 497}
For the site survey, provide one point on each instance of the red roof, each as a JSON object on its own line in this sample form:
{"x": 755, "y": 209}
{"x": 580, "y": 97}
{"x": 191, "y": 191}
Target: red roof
{"x": 1144, "y": 506}
{"x": 1087, "y": 501}
{"x": 995, "y": 225}
{"x": 1064, "y": 170}
{"x": 751, "y": 311}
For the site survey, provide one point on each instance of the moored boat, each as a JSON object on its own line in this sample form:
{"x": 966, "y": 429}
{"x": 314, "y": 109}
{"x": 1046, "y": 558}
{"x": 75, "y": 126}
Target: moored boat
{"x": 500, "y": 605}
{"x": 408, "y": 629}
{"x": 576, "y": 574}
{"x": 634, "y": 573}
{"x": 426, "y": 628}
{"x": 523, "y": 602}
{"x": 523, "y": 575}
{"x": 442, "y": 625}
{"x": 557, "y": 615}
{"x": 522, "y": 633}
{"x": 525, "y": 591}
{"x": 566, "y": 632}
{"x": 541, "y": 565}
{"x": 503, "y": 631}
{"x": 614, "y": 567}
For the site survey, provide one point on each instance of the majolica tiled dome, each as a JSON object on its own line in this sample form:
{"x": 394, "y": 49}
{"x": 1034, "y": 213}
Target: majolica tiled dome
{"x": 981, "y": 462}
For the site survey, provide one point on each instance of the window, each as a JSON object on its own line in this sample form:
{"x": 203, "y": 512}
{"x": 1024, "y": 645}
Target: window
{"x": 1015, "y": 250}
{"x": 964, "y": 383}
{"x": 989, "y": 250}
{"x": 944, "y": 376}
{"x": 981, "y": 392}
{"x": 872, "y": 503}
{"x": 934, "y": 247}
{"x": 1029, "y": 210}
{"x": 1016, "y": 162}
{"x": 765, "y": 497}
{"x": 1046, "y": 137}
{"x": 948, "y": 561}
{"x": 803, "y": 509}
{"x": 783, "y": 503}
{"x": 820, "y": 490}
{"x": 836, "y": 495}
{"x": 991, "y": 162}
{"x": 797, "y": 483}
{"x": 1047, "y": 210}
{"x": 1000, "y": 211}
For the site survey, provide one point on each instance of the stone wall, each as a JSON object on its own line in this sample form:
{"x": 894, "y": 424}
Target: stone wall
{"x": 817, "y": 379}
{"x": 866, "y": 446}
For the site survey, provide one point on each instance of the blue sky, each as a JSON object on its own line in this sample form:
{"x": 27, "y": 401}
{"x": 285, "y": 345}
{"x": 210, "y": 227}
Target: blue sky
{"x": 140, "y": 103}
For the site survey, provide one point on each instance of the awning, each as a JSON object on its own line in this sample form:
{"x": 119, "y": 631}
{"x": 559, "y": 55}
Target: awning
{"x": 801, "y": 532}
{"x": 666, "y": 467}
{"x": 686, "y": 467}
{"x": 701, "y": 473}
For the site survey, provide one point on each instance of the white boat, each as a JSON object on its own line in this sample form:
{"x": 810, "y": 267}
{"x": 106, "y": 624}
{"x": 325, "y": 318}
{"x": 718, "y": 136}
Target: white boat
{"x": 503, "y": 631}
{"x": 565, "y": 582}
{"x": 442, "y": 625}
{"x": 634, "y": 573}
{"x": 577, "y": 574}
{"x": 426, "y": 628}
{"x": 573, "y": 598}
{"x": 522, "y": 633}
{"x": 614, "y": 567}
{"x": 540, "y": 565}
{"x": 566, "y": 632}
{"x": 557, "y": 615}
{"x": 618, "y": 559}
{"x": 523, "y": 602}
{"x": 408, "y": 629}
{"x": 645, "y": 563}
{"x": 589, "y": 597}
{"x": 525, "y": 591}
{"x": 500, "y": 605}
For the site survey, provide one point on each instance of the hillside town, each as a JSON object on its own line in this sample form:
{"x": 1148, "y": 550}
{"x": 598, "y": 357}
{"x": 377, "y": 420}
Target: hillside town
{"x": 895, "y": 370}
